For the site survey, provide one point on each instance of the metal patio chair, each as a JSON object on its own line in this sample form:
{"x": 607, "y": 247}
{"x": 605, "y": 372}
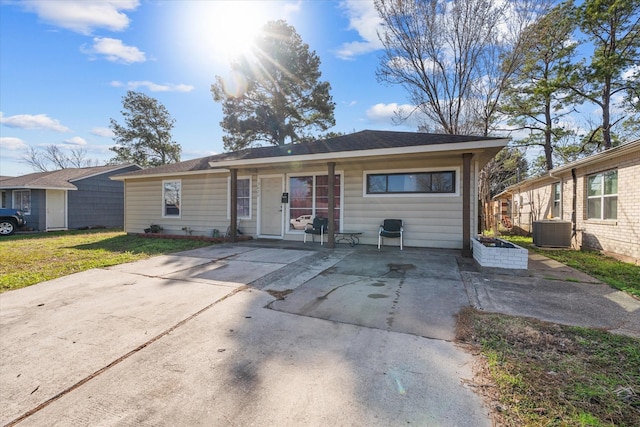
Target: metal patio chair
{"x": 317, "y": 228}
{"x": 391, "y": 229}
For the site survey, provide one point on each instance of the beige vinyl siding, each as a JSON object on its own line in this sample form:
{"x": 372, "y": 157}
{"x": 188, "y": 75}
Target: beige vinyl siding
{"x": 432, "y": 220}
{"x": 203, "y": 205}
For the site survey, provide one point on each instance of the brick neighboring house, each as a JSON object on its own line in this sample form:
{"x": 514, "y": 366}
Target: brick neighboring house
{"x": 599, "y": 195}
{"x": 68, "y": 198}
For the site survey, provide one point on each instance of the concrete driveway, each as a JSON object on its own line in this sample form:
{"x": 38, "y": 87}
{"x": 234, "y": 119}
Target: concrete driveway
{"x": 271, "y": 334}
{"x": 201, "y": 338}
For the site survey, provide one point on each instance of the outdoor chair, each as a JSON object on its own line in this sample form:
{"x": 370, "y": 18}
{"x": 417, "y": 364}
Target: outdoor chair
{"x": 227, "y": 235}
{"x": 391, "y": 229}
{"x": 317, "y": 228}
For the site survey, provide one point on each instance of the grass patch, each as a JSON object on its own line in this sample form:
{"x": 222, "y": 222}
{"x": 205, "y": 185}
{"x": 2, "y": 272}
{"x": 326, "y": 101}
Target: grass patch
{"x": 620, "y": 275}
{"x": 32, "y": 258}
{"x": 544, "y": 374}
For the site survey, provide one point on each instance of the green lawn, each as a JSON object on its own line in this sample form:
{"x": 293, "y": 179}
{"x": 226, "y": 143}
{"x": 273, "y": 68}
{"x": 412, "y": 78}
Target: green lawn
{"x": 32, "y": 258}
{"x": 618, "y": 274}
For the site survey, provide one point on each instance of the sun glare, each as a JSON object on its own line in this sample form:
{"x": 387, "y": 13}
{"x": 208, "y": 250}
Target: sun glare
{"x": 224, "y": 29}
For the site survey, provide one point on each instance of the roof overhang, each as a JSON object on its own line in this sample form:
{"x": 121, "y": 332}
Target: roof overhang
{"x": 167, "y": 174}
{"x": 36, "y": 187}
{"x": 484, "y": 150}
{"x": 490, "y": 147}
{"x": 554, "y": 174}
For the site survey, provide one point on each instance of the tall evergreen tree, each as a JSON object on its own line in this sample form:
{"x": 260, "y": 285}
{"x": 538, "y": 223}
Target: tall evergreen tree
{"x": 613, "y": 28}
{"x": 145, "y": 138}
{"x": 282, "y": 99}
{"x": 537, "y": 98}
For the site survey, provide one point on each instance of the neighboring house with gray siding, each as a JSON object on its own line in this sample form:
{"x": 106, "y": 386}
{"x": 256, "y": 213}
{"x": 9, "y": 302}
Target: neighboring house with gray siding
{"x": 427, "y": 180}
{"x": 599, "y": 195}
{"x": 68, "y": 198}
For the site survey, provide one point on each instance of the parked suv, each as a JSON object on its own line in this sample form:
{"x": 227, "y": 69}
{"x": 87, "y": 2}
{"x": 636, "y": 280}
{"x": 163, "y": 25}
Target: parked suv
{"x": 10, "y": 220}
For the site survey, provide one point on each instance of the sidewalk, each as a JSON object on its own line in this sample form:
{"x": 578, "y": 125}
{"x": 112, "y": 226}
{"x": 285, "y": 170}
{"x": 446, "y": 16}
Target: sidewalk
{"x": 556, "y": 293}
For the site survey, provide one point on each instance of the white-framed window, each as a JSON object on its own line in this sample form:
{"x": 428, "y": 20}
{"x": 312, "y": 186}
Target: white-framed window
{"x": 557, "y": 200}
{"x": 22, "y": 201}
{"x": 309, "y": 197}
{"x": 244, "y": 197}
{"x": 171, "y": 198}
{"x": 411, "y": 183}
{"x": 602, "y": 195}
{"x": 3, "y": 201}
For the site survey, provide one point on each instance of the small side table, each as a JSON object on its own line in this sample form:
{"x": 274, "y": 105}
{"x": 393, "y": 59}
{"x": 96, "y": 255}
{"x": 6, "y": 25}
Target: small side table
{"x": 351, "y": 237}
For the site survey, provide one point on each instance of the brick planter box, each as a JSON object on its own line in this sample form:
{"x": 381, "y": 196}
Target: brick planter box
{"x": 501, "y": 255}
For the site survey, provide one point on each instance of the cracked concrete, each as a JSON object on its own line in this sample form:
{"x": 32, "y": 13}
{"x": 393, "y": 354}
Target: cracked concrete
{"x": 271, "y": 334}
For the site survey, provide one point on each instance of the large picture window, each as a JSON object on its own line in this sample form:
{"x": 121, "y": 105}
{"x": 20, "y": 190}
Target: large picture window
{"x": 244, "y": 198}
{"x": 309, "y": 197}
{"x": 22, "y": 201}
{"x": 411, "y": 183}
{"x": 171, "y": 198}
{"x": 602, "y": 195}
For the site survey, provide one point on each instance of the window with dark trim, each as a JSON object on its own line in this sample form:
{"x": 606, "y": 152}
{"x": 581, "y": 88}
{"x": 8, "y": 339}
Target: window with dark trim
{"x": 22, "y": 201}
{"x": 243, "y": 198}
{"x": 309, "y": 197}
{"x": 414, "y": 182}
{"x": 171, "y": 198}
{"x": 602, "y": 195}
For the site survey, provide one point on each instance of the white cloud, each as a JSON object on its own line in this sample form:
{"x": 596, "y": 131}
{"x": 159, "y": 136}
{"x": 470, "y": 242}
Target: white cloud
{"x": 364, "y": 19}
{"x": 84, "y": 16}
{"x": 76, "y": 140}
{"x": 115, "y": 51}
{"x": 384, "y": 113}
{"x": 154, "y": 87}
{"x": 102, "y": 131}
{"x": 29, "y": 121}
{"x": 291, "y": 8}
{"x": 11, "y": 143}
{"x": 631, "y": 71}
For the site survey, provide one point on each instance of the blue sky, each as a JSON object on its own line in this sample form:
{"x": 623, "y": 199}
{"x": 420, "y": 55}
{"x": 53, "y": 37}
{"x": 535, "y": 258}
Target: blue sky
{"x": 65, "y": 66}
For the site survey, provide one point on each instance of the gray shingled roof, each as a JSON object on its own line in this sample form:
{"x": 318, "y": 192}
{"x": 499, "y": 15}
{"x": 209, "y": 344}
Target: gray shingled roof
{"x": 62, "y": 178}
{"x": 359, "y": 141}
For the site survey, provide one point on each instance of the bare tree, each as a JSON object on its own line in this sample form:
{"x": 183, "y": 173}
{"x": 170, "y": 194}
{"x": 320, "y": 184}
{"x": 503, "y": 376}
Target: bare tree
{"x": 453, "y": 58}
{"x": 36, "y": 159}
{"x": 77, "y": 158}
{"x": 57, "y": 157}
{"x": 53, "y": 158}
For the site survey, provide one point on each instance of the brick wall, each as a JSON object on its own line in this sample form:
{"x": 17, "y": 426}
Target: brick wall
{"x": 620, "y": 236}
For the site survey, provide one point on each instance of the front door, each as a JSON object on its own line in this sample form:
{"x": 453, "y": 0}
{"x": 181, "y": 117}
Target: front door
{"x": 271, "y": 212}
{"x": 56, "y": 201}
